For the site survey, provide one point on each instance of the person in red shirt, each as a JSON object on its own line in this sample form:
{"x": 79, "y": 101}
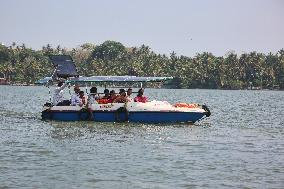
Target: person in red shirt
{"x": 104, "y": 99}
{"x": 112, "y": 96}
{"x": 140, "y": 97}
{"x": 121, "y": 98}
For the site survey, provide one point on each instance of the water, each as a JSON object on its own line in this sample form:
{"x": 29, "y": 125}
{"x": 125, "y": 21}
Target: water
{"x": 240, "y": 146}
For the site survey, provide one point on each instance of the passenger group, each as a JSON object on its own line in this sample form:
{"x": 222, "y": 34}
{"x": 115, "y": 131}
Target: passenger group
{"x": 79, "y": 98}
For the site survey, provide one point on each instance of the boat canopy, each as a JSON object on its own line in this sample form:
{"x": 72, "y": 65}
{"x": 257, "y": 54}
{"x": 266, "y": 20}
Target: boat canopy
{"x": 48, "y": 80}
{"x": 44, "y": 81}
{"x": 117, "y": 79}
{"x": 65, "y": 69}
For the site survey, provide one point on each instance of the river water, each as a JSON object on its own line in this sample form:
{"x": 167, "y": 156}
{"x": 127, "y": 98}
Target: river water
{"x": 240, "y": 146}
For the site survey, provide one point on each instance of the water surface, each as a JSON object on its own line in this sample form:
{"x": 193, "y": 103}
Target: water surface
{"x": 240, "y": 146}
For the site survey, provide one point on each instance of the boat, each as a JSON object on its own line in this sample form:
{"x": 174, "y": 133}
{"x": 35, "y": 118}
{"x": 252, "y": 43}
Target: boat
{"x": 149, "y": 112}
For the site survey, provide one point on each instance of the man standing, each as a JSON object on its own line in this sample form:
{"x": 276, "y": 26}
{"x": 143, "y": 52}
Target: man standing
{"x": 58, "y": 94}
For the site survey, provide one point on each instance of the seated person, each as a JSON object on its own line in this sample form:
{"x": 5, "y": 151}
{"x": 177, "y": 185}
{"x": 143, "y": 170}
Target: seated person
{"x": 106, "y": 92}
{"x": 112, "y": 96}
{"x": 104, "y": 99}
{"x": 83, "y": 100}
{"x": 128, "y": 96}
{"x": 140, "y": 97}
{"x": 122, "y": 97}
{"x": 75, "y": 99}
{"x": 93, "y": 96}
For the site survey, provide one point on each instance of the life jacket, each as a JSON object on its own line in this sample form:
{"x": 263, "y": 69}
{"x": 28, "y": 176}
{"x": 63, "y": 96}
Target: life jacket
{"x": 111, "y": 99}
{"x": 103, "y": 101}
{"x": 185, "y": 105}
{"x": 140, "y": 99}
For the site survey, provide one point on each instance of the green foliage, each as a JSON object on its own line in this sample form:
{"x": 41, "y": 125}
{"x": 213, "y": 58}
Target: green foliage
{"x": 109, "y": 50}
{"x": 4, "y": 53}
{"x": 23, "y": 65}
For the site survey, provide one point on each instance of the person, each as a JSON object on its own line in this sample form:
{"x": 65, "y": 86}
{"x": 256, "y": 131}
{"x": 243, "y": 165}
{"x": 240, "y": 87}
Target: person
{"x": 106, "y": 92}
{"x": 122, "y": 97}
{"x": 112, "y": 96}
{"x": 140, "y": 97}
{"x": 58, "y": 99}
{"x": 104, "y": 99}
{"x": 75, "y": 99}
{"x": 83, "y": 100}
{"x": 92, "y": 99}
{"x": 93, "y": 96}
{"x": 128, "y": 95}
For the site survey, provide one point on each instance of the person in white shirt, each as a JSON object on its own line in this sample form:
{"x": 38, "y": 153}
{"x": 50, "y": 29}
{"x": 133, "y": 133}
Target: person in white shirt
{"x": 75, "y": 98}
{"x": 92, "y": 99}
{"x": 58, "y": 94}
{"x": 93, "y": 96}
{"x": 128, "y": 96}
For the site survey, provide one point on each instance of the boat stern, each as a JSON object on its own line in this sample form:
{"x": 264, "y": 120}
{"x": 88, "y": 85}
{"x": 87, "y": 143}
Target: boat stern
{"x": 207, "y": 112}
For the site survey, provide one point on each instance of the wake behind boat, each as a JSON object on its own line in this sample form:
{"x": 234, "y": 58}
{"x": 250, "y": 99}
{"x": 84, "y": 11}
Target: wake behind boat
{"x": 143, "y": 112}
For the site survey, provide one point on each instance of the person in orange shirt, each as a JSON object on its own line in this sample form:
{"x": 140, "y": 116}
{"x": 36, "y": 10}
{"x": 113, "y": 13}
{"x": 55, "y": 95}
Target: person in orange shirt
{"x": 105, "y": 98}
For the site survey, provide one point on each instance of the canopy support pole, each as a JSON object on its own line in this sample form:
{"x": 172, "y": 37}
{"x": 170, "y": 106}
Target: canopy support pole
{"x": 49, "y": 93}
{"x": 69, "y": 90}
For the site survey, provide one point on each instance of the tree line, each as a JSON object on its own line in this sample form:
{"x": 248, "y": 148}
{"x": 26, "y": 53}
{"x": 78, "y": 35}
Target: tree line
{"x": 20, "y": 64}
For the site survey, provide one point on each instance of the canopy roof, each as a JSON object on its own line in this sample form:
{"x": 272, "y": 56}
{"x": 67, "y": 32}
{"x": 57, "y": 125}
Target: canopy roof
{"x": 46, "y": 80}
{"x": 118, "y": 79}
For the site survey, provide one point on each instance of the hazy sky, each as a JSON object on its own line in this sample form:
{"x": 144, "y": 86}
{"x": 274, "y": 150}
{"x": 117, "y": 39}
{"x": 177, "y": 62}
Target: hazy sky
{"x": 184, "y": 26}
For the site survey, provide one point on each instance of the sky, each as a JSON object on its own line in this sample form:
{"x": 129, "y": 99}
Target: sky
{"x": 184, "y": 26}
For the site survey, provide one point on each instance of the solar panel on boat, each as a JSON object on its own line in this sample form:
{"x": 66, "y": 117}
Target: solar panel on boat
{"x": 65, "y": 67}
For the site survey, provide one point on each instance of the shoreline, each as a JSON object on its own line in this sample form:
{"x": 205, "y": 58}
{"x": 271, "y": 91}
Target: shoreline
{"x": 253, "y": 89}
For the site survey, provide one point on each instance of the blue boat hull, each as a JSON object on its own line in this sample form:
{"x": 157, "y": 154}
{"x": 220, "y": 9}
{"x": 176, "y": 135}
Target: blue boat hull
{"x": 114, "y": 116}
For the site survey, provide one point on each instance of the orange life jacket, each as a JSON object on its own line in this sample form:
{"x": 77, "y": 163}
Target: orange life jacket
{"x": 185, "y": 105}
{"x": 103, "y": 101}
